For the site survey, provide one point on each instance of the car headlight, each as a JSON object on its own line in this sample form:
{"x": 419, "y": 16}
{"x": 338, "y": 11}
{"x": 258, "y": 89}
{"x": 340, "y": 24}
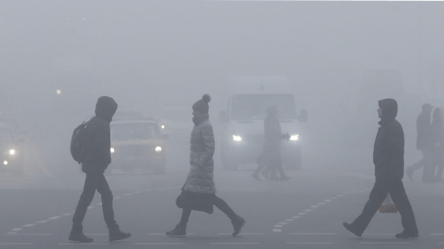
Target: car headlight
{"x": 294, "y": 137}
{"x": 162, "y": 127}
{"x": 158, "y": 149}
{"x": 12, "y": 152}
{"x": 59, "y": 92}
{"x": 237, "y": 138}
{"x": 112, "y": 150}
{"x": 5, "y": 162}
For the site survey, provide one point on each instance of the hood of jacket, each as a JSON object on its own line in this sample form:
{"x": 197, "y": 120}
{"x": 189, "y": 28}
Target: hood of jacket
{"x": 106, "y": 107}
{"x": 389, "y": 109}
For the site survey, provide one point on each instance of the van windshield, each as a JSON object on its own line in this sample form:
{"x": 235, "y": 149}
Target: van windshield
{"x": 254, "y": 106}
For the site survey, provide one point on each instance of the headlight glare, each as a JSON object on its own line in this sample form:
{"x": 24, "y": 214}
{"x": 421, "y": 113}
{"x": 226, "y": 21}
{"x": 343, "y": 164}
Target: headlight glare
{"x": 12, "y": 152}
{"x": 158, "y": 149}
{"x": 112, "y": 150}
{"x": 162, "y": 127}
{"x": 294, "y": 137}
{"x": 5, "y": 162}
{"x": 237, "y": 138}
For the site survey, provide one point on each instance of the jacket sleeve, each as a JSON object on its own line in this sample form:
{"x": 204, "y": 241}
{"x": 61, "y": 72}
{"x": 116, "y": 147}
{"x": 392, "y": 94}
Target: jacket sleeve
{"x": 102, "y": 143}
{"x": 396, "y": 145}
{"x": 209, "y": 145}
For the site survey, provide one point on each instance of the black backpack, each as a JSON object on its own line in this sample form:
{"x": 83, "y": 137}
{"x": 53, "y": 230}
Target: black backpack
{"x": 78, "y": 142}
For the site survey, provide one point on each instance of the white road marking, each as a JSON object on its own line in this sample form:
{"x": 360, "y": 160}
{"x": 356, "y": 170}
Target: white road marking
{"x": 28, "y": 234}
{"x": 295, "y": 217}
{"x": 67, "y": 214}
{"x": 128, "y": 194}
{"x": 277, "y": 230}
{"x": 327, "y": 201}
{"x": 54, "y": 217}
{"x": 315, "y": 206}
{"x": 42, "y": 221}
{"x": 16, "y": 229}
{"x": 312, "y": 233}
{"x": 278, "y": 226}
{"x": 301, "y": 214}
{"x": 386, "y": 243}
{"x": 307, "y": 210}
{"x": 91, "y": 207}
{"x": 29, "y": 225}
{"x": 289, "y": 220}
{"x": 310, "y": 243}
{"x": 283, "y": 223}
{"x": 15, "y": 244}
{"x": 321, "y": 203}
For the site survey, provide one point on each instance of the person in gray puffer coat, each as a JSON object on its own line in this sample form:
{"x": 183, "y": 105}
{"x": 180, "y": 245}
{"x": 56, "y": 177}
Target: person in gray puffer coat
{"x": 199, "y": 188}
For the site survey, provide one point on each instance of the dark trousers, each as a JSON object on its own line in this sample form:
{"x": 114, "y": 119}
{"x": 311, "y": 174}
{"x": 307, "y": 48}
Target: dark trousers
{"x": 382, "y": 187}
{"x": 218, "y": 202}
{"x": 93, "y": 182}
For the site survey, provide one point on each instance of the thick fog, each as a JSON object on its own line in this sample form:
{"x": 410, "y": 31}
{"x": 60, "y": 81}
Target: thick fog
{"x": 340, "y": 58}
{"x": 320, "y": 67}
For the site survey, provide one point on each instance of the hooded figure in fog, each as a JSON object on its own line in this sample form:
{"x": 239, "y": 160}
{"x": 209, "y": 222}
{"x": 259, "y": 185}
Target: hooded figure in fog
{"x": 438, "y": 137}
{"x": 388, "y": 157}
{"x": 271, "y": 157}
{"x": 424, "y": 143}
{"x": 95, "y": 160}
{"x": 199, "y": 191}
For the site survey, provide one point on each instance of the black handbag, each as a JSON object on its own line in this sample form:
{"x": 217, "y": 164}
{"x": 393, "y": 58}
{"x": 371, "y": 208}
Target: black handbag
{"x": 195, "y": 201}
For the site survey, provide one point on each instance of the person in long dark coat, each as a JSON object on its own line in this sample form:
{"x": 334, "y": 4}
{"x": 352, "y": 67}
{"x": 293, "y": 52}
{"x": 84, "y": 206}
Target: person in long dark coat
{"x": 270, "y": 157}
{"x": 438, "y": 148}
{"x": 388, "y": 158}
{"x": 424, "y": 143}
{"x": 95, "y": 161}
{"x": 199, "y": 190}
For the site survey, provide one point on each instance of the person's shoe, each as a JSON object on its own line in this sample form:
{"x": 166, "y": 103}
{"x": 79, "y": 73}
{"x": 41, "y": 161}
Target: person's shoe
{"x": 237, "y": 225}
{"x": 351, "y": 229}
{"x": 256, "y": 176}
{"x": 80, "y": 237}
{"x": 409, "y": 173}
{"x": 406, "y": 235}
{"x": 118, "y": 235}
{"x": 178, "y": 231}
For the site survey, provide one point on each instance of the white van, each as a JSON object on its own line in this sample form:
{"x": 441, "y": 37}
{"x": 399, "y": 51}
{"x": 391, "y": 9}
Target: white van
{"x": 243, "y": 120}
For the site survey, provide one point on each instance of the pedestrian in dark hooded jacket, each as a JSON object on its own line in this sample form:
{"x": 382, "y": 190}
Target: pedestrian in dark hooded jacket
{"x": 199, "y": 191}
{"x": 438, "y": 135}
{"x": 96, "y": 158}
{"x": 424, "y": 143}
{"x": 388, "y": 158}
{"x": 271, "y": 158}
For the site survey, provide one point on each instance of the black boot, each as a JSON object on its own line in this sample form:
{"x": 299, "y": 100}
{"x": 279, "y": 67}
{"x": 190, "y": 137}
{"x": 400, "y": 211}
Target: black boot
{"x": 179, "y": 230}
{"x": 351, "y": 229}
{"x": 79, "y": 237}
{"x": 116, "y": 234}
{"x": 237, "y": 225}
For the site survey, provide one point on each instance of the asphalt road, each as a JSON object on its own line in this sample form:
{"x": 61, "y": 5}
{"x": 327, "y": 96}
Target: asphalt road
{"x": 304, "y": 212}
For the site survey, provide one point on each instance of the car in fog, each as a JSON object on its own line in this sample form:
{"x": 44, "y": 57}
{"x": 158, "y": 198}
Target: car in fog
{"x": 242, "y": 122}
{"x": 11, "y": 152}
{"x": 175, "y": 120}
{"x": 137, "y": 144}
